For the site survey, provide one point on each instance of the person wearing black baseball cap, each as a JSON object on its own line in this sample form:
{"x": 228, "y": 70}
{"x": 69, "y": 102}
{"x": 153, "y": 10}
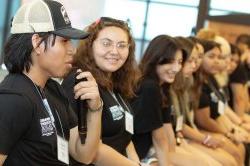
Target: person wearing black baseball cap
{"x": 37, "y": 123}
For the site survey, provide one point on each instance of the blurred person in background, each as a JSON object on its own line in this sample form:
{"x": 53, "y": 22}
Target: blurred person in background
{"x": 202, "y": 145}
{"x": 211, "y": 106}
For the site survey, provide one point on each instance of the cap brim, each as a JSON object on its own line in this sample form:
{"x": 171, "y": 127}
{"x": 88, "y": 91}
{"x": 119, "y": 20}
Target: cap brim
{"x": 71, "y": 33}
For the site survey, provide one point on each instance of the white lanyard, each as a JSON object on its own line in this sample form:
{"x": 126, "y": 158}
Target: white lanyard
{"x": 48, "y": 110}
{"x": 123, "y": 102}
{"x": 62, "y": 143}
{"x": 129, "y": 119}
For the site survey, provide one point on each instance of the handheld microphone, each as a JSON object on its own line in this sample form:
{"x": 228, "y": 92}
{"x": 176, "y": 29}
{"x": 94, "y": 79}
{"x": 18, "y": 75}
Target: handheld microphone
{"x": 82, "y": 110}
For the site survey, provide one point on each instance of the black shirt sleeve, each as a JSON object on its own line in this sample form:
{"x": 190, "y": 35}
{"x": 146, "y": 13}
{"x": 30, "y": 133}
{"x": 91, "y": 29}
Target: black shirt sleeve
{"x": 239, "y": 75}
{"x": 147, "y": 106}
{"x": 68, "y": 86}
{"x": 15, "y": 118}
{"x": 204, "y": 98}
{"x": 73, "y": 119}
{"x": 167, "y": 114}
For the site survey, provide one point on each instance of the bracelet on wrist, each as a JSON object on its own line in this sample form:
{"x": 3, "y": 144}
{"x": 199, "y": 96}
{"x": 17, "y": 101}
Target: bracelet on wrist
{"x": 98, "y": 109}
{"x": 206, "y": 139}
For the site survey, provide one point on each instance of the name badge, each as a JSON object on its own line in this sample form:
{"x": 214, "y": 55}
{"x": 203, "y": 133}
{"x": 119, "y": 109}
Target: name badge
{"x": 179, "y": 123}
{"x": 221, "y": 107}
{"x": 116, "y": 112}
{"x": 191, "y": 115}
{"x": 62, "y": 150}
{"x": 129, "y": 122}
{"x": 214, "y": 98}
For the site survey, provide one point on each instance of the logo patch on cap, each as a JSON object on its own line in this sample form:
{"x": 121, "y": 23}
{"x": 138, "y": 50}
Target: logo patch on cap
{"x": 65, "y": 15}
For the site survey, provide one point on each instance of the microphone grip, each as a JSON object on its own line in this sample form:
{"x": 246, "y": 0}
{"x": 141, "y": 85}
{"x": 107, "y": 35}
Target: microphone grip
{"x": 82, "y": 120}
{"x": 82, "y": 109}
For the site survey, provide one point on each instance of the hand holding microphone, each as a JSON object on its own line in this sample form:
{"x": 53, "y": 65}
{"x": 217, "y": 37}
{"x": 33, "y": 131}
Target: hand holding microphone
{"x": 88, "y": 98}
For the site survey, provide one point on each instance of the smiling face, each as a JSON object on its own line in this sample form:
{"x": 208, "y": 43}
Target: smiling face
{"x": 167, "y": 72}
{"x": 111, "y": 49}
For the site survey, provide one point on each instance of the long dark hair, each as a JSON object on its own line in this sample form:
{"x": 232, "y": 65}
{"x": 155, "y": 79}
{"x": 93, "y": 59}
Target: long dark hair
{"x": 161, "y": 50}
{"x": 200, "y": 76}
{"x": 243, "y": 38}
{"x": 235, "y": 49}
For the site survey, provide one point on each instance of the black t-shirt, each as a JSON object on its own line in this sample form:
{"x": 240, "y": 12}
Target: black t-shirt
{"x": 210, "y": 98}
{"x": 247, "y": 68}
{"x": 26, "y": 132}
{"x": 168, "y": 114}
{"x": 149, "y": 115}
{"x": 231, "y": 98}
{"x": 239, "y": 75}
{"x": 114, "y": 133}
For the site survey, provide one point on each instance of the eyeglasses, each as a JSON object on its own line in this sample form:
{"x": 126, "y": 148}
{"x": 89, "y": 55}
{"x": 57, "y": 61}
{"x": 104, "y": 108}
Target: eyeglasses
{"x": 109, "y": 45}
{"x": 112, "y": 20}
{"x": 108, "y": 21}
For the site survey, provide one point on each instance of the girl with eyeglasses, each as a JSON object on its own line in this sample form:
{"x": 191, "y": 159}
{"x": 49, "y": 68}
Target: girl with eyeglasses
{"x": 108, "y": 53}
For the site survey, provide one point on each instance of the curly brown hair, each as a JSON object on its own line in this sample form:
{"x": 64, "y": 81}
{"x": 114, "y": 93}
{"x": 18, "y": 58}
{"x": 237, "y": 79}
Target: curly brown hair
{"x": 123, "y": 80}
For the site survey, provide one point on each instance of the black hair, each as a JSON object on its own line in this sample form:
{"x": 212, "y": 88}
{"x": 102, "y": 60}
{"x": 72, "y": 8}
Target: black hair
{"x": 18, "y": 49}
{"x": 243, "y": 38}
{"x": 161, "y": 50}
{"x": 234, "y": 49}
{"x": 208, "y": 44}
{"x": 195, "y": 39}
